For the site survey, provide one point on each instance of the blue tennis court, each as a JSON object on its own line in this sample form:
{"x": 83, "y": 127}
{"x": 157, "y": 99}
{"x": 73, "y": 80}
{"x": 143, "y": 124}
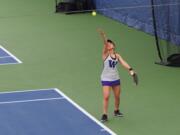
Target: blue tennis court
{"x": 45, "y": 112}
{"x": 7, "y": 58}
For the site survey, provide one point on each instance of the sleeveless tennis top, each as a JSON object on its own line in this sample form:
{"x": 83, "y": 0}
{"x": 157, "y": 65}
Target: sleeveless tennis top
{"x": 110, "y": 72}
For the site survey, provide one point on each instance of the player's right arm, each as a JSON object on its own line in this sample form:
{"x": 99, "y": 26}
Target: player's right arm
{"x": 104, "y": 38}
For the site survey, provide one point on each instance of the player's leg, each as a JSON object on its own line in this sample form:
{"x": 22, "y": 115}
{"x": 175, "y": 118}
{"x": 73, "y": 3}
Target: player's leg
{"x": 117, "y": 93}
{"x": 106, "y": 95}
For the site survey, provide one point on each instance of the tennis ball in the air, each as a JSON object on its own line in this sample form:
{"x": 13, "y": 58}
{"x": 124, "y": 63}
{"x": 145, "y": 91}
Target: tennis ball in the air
{"x": 94, "y": 13}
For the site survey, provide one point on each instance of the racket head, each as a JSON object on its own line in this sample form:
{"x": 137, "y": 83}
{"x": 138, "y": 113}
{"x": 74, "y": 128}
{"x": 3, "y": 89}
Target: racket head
{"x": 135, "y": 78}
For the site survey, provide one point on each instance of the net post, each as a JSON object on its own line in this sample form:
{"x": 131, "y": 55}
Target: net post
{"x": 155, "y": 31}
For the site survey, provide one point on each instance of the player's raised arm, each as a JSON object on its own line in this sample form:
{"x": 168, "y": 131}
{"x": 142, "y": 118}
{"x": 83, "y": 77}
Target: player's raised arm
{"x": 104, "y": 38}
{"x": 103, "y": 35}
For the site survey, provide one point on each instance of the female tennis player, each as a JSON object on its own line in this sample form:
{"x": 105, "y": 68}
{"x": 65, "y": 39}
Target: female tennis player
{"x": 110, "y": 77}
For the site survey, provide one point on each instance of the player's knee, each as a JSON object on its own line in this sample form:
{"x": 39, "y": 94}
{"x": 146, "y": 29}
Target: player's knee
{"x": 106, "y": 98}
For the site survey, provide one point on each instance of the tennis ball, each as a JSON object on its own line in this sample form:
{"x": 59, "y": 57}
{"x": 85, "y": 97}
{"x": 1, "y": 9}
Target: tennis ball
{"x": 94, "y": 13}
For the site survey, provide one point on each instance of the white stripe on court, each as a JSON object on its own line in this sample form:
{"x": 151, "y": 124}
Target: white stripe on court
{"x": 10, "y": 55}
{"x": 32, "y": 100}
{"x": 103, "y": 130}
{"x": 5, "y": 57}
{"x": 10, "y": 63}
{"x": 86, "y": 113}
{"x": 23, "y": 91}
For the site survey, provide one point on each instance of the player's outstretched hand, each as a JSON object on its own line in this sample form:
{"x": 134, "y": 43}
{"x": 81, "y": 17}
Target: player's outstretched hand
{"x": 100, "y": 31}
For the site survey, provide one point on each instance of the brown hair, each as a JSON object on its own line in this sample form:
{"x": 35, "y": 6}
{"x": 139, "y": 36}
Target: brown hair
{"x": 110, "y": 41}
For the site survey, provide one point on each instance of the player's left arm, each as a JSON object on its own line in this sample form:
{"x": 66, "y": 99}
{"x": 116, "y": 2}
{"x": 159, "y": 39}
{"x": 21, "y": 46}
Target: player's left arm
{"x": 130, "y": 69}
{"x": 125, "y": 64}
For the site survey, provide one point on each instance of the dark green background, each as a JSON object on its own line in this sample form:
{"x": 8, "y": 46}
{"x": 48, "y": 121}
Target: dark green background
{"x": 64, "y": 51}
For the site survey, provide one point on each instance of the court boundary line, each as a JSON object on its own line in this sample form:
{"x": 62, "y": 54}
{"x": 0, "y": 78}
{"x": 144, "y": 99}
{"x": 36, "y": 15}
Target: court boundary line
{"x": 31, "y": 100}
{"x": 5, "y": 57}
{"x": 104, "y": 128}
{"x": 58, "y": 91}
{"x": 10, "y": 63}
{"x": 13, "y": 56}
{"x": 21, "y": 91}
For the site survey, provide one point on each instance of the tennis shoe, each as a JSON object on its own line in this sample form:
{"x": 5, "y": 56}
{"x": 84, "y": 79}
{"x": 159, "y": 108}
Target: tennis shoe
{"x": 118, "y": 113}
{"x": 104, "y": 118}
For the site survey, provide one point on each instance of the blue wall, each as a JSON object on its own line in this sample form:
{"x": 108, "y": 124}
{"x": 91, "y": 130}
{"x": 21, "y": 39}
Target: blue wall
{"x": 167, "y": 17}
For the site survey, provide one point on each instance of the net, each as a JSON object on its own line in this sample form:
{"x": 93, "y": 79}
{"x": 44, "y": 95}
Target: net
{"x": 166, "y": 21}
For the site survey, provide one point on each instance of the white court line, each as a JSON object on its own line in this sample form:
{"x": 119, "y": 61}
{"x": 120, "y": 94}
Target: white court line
{"x": 10, "y": 55}
{"x": 22, "y": 91}
{"x": 103, "y": 130}
{"x": 86, "y": 113}
{"x": 10, "y": 63}
{"x": 32, "y": 100}
{"x": 5, "y": 57}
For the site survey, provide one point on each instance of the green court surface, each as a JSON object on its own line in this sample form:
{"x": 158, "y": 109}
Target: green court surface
{"x": 64, "y": 51}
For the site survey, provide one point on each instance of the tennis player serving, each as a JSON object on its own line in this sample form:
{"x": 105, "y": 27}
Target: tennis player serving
{"x": 110, "y": 77}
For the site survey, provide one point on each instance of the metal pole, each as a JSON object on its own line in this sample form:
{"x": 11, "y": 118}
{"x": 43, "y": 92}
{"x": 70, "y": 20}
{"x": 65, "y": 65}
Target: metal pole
{"x": 155, "y": 30}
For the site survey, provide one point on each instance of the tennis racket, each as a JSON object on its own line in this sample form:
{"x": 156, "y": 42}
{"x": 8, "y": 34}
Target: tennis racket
{"x": 135, "y": 78}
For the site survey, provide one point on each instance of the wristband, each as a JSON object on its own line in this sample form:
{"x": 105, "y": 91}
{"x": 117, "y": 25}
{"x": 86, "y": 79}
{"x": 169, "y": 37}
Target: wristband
{"x": 130, "y": 69}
